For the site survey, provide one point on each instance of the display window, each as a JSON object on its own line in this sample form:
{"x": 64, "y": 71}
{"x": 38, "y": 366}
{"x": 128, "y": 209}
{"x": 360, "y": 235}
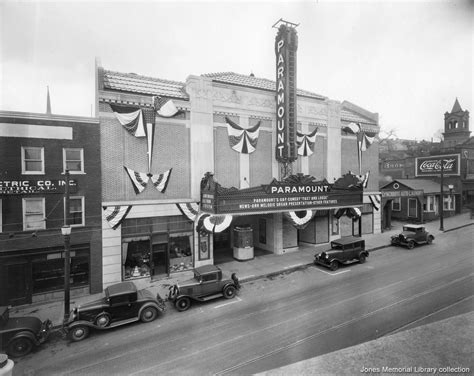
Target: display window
{"x": 136, "y": 258}
{"x": 180, "y": 252}
{"x": 48, "y": 271}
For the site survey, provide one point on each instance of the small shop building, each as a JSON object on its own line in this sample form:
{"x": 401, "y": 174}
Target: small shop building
{"x": 416, "y": 201}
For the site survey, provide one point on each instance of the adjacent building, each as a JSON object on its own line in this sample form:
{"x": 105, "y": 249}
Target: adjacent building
{"x": 37, "y": 149}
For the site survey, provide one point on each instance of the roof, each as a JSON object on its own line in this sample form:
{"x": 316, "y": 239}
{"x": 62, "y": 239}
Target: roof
{"x": 456, "y": 107}
{"x": 206, "y": 269}
{"x": 121, "y": 288}
{"x": 132, "y": 82}
{"x": 428, "y": 186}
{"x": 251, "y": 81}
{"x": 414, "y": 226}
{"x": 347, "y": 240}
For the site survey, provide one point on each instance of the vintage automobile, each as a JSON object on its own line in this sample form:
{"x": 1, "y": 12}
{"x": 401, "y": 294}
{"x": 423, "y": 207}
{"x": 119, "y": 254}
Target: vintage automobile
{"x": 121, "y": 304}
{"x": 19, "y": 335}
{"x": 343, "y": 251}
{"x": 412, "y": 235}
{"x": 208, "y": 283}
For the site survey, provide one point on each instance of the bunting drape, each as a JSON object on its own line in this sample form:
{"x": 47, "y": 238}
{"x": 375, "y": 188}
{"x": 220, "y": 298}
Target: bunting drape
{"x": 140, "y": 180}
{"x": 301, "y": 218}
{"x": 165, "y": 107}
{"x": 242, "y": 140}
{"x": 213, "y": 223}
{"x": 375, "y": 200}
{"x": 131, "y": 119}
{"x": 364, "y": 140}
{"x": 305, "y": 143}
{"x": 350, "y": 212}
{"x": 189, "y": 209}
{"x": 116, "y": 214}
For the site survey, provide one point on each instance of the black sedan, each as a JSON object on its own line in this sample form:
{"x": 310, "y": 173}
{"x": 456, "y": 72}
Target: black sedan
{"x": 121, "y": 304}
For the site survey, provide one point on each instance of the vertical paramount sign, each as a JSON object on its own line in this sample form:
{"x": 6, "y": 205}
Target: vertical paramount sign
{"x": 286, "y": 44}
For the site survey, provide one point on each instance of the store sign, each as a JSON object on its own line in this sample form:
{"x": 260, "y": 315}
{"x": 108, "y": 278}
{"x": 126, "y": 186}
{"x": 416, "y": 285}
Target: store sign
{"x": 413, "y": 193}
{"x": 286, "y": 43}
{"x": 21, "y": 187}
{"x": 393, "y": 165}
{"x": 431, "y": 166}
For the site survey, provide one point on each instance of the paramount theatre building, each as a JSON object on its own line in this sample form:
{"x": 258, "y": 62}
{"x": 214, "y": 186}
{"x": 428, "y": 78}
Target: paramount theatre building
{"x": 226, "y": 165}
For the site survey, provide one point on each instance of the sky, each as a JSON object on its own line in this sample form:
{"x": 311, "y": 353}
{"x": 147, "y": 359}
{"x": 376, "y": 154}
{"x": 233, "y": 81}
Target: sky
{"x": 405, "y": 60}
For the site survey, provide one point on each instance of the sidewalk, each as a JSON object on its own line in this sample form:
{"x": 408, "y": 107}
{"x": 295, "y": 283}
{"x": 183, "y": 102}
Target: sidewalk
{"x": 246, "y": 271}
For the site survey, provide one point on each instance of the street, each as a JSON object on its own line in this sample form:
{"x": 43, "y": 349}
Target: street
{"x": 278, "y": 321}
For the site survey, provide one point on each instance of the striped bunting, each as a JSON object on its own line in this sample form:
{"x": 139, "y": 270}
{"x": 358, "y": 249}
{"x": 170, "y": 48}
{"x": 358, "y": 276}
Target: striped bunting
{"x": 160, "y": 182}
{"x": 131, "y": 119}
{"x": 189, "y": 209}
{"x": 364, "y": 140}
{"x": 305, "y": 143}
{"x": 375, "y": 200}
{"x": 350, "y": 212}
{"x": 242, "y": 140}
{"x": 301, "y": 218}
{"x": 116, "y": 214}
{"x": 140, "y": 180}
{"x": 165, "y": 107}
{"x": 213, "y": 223}
{"x": 364, "y": 179}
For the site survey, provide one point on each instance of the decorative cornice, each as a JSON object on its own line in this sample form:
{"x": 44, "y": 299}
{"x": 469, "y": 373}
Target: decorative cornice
{"x": 48, "y": 117}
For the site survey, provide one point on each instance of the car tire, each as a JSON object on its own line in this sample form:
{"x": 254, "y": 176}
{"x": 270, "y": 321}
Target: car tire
{"x": 334, "y": 265}
{"x": 19, "y": 347}
{"x": 361, "y": 258}
{"x": 229, "y": 292}
{"x": 102, "y": 320}
{"x": 182, "y": 304}
{"x": 78, "y": 333}
{"x": 148, "y": 314}
{"x": 411, "y": 244}
{"x": 429, "y": 240}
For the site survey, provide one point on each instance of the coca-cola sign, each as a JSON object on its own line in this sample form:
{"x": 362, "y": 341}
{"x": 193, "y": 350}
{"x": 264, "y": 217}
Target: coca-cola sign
{"x": 431, "y": 166}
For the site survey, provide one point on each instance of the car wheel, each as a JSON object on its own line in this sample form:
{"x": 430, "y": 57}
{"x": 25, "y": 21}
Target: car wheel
{"x": 102, "y": 320}
{"x": 229, "y": 292}
{"x": 429, "y": 240}
{"x": 78, "y": 333}
{"x": 19, "y": 347}
{"x": 182, "y": 304}
{"x": 149, "y": 314}
{"x": 411, "y": 244}
{"x": 334, "y": 265}
{"x": 361, "y": 258}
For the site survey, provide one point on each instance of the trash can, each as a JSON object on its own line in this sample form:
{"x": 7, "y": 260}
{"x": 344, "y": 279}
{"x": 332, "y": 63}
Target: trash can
{"x": 243, "y": 243}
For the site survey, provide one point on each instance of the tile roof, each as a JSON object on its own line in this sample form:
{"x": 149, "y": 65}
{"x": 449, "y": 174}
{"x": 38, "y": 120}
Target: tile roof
{"x": 253, "y": 82}
{"x": 132, "y": 82}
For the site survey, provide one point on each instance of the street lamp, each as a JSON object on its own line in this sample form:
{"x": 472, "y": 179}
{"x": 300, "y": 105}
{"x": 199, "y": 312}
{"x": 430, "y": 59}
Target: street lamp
{"x": 66, "y": 231}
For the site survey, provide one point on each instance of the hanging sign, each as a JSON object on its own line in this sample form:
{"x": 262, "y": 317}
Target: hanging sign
{"x": 286, "y": 43}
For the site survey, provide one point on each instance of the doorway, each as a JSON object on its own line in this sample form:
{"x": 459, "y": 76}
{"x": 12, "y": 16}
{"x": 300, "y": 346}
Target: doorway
{"x": 18, "y": 283}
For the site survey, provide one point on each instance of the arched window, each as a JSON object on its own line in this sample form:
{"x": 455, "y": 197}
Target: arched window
{"x": 455, "y": 125}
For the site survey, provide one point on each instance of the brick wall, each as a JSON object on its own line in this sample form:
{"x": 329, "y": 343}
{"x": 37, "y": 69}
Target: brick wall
{"x": 261, "y": 160}
{"x": 226, "y": 160}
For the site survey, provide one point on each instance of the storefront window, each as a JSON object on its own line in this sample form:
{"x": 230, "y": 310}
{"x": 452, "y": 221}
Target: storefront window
{"x": 180, "y": 252}
{"x": 397, "y": 204}
{"x": 448, "y": 202}
{"x": 48, "y": 271}
{"x": 136, "y": 257}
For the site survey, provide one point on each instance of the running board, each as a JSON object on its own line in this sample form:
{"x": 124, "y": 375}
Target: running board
{"x": 210, "y": 297}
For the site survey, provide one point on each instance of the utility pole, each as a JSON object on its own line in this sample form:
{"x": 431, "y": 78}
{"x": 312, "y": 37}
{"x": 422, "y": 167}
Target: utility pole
{"x": 441, "y": 209}
{"x": 66, "y": 231}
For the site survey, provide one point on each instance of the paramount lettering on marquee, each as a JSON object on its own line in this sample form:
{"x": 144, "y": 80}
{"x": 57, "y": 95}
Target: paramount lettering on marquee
{"x": 285, "y": 50}
{"x": 18, "y": 187}
{"x": 431, "y": 166}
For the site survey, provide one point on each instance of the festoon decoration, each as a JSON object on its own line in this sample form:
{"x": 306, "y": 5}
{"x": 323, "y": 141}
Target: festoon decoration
{"x": 140, "y": 122}
{"x": 300, "y": 218}
{"x": 115, "y": 215}
{"x": 242, "y": 140}
{"x": 305, "y": 143}
{"x": 206, "y": 223}
{"x": 364, "y": 140}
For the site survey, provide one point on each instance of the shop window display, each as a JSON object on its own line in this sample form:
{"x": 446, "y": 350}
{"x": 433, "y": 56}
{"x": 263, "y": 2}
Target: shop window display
{"x": 136, "y": 255}
{"x": 180, "y": 252}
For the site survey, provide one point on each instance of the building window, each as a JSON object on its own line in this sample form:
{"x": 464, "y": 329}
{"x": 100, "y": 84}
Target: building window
{"x": 136, "y": 257}
{"x": 397, "y": 204}
{"x": 32, "y": 160}
{"x": 448, "y": 202}
{"x": 48, "y": 271}
{"x": 33, "y": 214}
{"x": 180, "y": 252}
{"x": 73, "y": 160}
{"x": 429, "y": 204}
{"x": 76, "y": 211}
{"x": 455, "y": 125}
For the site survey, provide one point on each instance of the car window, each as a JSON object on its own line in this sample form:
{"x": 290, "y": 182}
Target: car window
{"x": 120, "y": 299}
{"x": 209, "y": 277}
{"x": 336, "y": 246}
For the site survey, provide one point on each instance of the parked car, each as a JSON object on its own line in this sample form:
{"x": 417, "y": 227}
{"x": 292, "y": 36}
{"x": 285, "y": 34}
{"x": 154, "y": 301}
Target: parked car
{"x": 344, "y": 250}
{"x": 208, "y": 283}
{"x": 121, "y": 304}
{"x": 19, "y": 335}
{"x": 412, "y": 235}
